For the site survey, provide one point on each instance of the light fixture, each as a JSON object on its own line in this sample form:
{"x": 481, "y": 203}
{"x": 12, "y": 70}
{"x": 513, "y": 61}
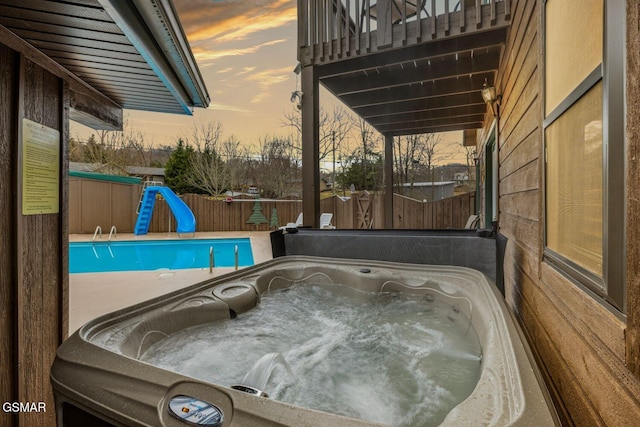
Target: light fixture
{"x": 297, "y": 94}
{"x": 490, "y": 97}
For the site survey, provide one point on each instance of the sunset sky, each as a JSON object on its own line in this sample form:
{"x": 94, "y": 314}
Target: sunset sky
{"x": 246, "y": 52}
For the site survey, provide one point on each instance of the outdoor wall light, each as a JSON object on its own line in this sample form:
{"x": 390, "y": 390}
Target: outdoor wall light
{"x": 296, "y": 94}
{"x": 490, "y": 97}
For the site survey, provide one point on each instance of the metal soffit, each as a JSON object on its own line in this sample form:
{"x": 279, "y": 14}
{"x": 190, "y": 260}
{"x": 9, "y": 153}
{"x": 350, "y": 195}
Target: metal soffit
{"x": 133, "y": 52}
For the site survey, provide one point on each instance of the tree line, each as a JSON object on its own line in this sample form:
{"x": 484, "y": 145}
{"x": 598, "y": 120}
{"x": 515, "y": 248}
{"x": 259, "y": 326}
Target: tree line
{"x": 207, "y": 162}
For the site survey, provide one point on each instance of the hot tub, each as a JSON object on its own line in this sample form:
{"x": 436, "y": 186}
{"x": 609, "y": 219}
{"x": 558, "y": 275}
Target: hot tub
{"x": 114, "y": 370}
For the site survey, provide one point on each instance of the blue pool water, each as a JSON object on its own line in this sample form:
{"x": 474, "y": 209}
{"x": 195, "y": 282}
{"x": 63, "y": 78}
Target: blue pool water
{"x": 102, "y": 257}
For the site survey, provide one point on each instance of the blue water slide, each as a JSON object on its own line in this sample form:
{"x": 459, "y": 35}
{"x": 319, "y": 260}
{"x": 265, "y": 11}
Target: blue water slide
{"x": 184, "y": 217}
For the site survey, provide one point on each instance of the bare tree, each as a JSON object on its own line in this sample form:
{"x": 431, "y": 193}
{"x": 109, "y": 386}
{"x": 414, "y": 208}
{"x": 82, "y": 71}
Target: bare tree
{"x": 238, "y": 162}
{"x": 432, "y": 155}
{"x": 434, "y": 152}
{"x": 408, "y": 153}
{"x": 208, "y": 170}
{"x": 470, "y": 157}
{"x": 114, "y": 150}
{"x": 275, "y": 170}
{"x": 334, "y": 130}
{"x": 367, "y": 148}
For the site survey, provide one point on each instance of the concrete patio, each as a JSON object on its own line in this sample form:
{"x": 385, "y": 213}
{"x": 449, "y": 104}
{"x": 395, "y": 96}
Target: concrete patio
{"x": 94, "y": 294}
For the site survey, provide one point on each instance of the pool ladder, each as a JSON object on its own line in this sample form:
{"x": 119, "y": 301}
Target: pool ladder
{"x": 212, "y": 260}
{"x": 95, "y": 233}
{"x": 144, "y": 187}
{"x": 112, "y": 234}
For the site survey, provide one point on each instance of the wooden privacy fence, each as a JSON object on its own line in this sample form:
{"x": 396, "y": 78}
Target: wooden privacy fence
{"x": 218, "y": 215}
{"x": 451, "y": 212}
{"x": 364, "y": 210}
{"x": 94, "y": 203}
{"x": 104, "y": 202}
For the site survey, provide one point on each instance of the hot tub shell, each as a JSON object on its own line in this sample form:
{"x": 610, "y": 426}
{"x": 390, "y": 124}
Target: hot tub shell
{"x": 92, "y": 383}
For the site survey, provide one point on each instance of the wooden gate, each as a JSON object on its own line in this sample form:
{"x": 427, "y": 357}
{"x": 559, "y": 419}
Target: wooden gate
{"x": 364, "y": 212}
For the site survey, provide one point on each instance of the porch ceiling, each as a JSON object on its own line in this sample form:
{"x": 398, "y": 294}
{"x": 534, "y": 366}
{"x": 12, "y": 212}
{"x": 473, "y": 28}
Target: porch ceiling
{"x": 427, "y": 88}
{"x": 134, "y": 52}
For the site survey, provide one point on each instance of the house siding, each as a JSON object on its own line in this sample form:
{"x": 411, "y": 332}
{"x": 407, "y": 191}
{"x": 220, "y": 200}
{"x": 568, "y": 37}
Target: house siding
{"x": 8, "y": 155}
{"x": 633, "y": 190}
{"x": 33, "y": 270}
{"x": 579, "y": 343}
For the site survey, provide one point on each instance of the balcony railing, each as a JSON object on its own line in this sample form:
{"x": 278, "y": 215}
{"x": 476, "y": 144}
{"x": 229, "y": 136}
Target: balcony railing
{"x": 333, "y": 29}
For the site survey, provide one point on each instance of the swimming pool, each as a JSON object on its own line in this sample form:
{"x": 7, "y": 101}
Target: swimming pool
{"x": 102, "y": 257}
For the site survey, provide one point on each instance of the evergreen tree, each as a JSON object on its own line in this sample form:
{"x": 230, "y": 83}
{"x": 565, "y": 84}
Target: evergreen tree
{"x": 359, "y": 171}
{"x": 176, "y": 171}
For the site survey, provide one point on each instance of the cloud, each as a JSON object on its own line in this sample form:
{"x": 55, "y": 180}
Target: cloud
{"x": 204, "y": 55}
{"x": 245, "y": 70}
{"x": 267, "y": 78}
{"x": 228, "y": 20}
{"x": 225, "y": 107}
{"x": 225, "y": 70}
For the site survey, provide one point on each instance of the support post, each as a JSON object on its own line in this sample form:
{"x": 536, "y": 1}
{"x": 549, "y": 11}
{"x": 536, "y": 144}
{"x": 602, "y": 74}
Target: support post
{"x": 310, "y": 147}
{"x": 34, "y": 137}
{"x": 388, "y": 181}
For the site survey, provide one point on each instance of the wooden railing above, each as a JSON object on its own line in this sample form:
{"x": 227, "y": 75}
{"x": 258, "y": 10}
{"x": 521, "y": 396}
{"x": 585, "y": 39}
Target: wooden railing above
{"x": 330, "y": 30}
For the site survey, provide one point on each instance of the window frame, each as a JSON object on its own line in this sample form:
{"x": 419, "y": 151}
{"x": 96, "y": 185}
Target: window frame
{"x": 611, "y": 287}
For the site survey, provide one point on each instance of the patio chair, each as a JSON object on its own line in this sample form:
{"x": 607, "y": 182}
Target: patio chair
{"x": 296, "y": 224}
{"x": 325, "y": 221}
{"x": 473, "y": 221}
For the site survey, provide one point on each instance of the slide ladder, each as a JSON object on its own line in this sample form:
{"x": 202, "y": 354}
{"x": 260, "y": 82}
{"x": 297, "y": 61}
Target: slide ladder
{"x": 186, "y": 221}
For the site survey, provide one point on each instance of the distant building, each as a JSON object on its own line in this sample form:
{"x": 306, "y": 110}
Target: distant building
{"x": 142, "y": 172}
{"x": 146, "y": 173}
{"x": 461, "y": 177}
{"x": 429, "y": 191}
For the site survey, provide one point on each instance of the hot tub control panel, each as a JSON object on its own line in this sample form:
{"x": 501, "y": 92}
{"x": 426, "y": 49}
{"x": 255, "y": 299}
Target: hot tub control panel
{"x": 195, "y": 411}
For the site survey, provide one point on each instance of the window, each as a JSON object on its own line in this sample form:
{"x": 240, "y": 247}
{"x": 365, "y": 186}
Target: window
{"x": 574, "y": 182}
{"x": 584, "y": 138}
{"x": 573, "y": 46}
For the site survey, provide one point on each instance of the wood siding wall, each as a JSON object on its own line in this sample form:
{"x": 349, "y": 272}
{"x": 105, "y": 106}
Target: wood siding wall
{"x": 580, "y": 345}
{"x": 633, "y": 190}
{"x": 33, "y": 265}
{"x": 9, "y": 61}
